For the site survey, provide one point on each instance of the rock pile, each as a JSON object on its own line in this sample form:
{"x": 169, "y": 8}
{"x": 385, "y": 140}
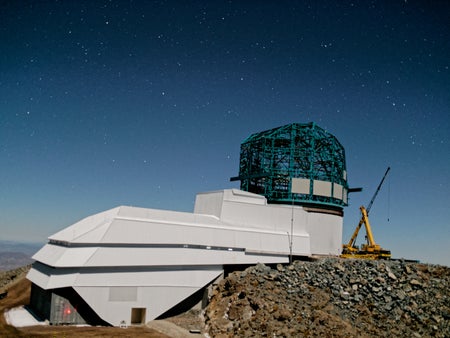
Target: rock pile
{"x": 332, "y": 298}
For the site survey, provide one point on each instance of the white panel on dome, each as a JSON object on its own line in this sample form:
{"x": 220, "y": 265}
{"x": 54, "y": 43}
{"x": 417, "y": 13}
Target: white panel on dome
{"x": 337, "y": 190}
{"x": 322, "y": 188}
{"x": 300, "y": 185}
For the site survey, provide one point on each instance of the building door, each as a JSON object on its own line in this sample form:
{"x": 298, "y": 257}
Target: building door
{"x": 138, "y": 315}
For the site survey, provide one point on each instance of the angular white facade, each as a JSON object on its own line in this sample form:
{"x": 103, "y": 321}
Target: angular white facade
{"x": 131, "y": 265}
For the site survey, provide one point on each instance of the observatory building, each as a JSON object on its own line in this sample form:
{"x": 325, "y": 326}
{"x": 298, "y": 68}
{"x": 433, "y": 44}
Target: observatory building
{"x": 130, "y": 265}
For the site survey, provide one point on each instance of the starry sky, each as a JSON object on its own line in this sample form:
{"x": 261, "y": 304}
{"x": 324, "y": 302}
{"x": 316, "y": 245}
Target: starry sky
{"x": 146, "y": 103}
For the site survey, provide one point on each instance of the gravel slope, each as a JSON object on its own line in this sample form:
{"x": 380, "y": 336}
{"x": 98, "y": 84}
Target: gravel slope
{"x": 332, "y": 298}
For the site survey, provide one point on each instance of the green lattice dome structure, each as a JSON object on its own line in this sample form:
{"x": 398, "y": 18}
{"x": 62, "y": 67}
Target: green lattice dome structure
{"x": 297, "y": 163}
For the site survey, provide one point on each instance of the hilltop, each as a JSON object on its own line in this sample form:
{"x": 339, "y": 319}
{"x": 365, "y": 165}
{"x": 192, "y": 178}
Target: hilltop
{"x": 332, "y": 298}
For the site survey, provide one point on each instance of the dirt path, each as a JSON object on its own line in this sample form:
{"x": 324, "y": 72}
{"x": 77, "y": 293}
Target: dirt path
{"x": 170, "y": 329}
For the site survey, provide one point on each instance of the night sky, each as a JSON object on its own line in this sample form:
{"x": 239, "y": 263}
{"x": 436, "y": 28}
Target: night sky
{"x": 144, "y": 103}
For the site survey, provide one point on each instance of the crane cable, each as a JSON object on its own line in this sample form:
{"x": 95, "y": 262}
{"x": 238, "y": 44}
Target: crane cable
{"x": 389, "y": 199}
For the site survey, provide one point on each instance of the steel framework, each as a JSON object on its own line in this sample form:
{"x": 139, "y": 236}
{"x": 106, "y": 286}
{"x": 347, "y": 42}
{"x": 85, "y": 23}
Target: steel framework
{"x": 271, "y": 160}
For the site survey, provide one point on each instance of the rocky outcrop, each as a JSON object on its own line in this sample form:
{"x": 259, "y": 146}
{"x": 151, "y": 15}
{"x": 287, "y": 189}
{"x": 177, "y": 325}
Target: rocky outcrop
{"x": 332, "y": 298}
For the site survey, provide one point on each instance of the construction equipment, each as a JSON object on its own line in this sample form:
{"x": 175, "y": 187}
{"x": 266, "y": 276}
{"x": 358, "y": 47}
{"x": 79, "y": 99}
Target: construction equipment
{"x": 370, "y": 250}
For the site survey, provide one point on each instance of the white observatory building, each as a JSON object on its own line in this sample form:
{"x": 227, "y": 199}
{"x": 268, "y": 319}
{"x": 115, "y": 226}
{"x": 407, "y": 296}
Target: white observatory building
{"x": 130, "y": 265}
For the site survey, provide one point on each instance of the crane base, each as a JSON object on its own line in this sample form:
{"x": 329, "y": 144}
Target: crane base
{"x": 385, "y": 254}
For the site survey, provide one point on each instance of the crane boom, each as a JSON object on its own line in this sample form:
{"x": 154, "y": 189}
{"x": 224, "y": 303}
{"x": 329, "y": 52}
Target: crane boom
{"x": 376, "y": 192}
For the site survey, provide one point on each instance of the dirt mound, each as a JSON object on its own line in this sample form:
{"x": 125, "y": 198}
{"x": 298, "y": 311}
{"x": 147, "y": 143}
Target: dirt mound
{"x": 332, "y": 298}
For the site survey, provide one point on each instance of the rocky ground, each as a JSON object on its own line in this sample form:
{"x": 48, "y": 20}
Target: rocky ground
{"x": 332, "y": 298}
{"x": 323, "y": 298}
{"x": 9, "y": 276}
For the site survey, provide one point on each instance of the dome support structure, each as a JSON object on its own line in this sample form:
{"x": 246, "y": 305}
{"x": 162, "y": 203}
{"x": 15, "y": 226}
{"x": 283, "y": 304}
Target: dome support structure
{"x": 298, "y": 164}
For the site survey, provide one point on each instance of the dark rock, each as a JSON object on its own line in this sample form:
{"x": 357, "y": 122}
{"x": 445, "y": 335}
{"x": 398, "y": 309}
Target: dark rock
{"x": 332, "y": 298}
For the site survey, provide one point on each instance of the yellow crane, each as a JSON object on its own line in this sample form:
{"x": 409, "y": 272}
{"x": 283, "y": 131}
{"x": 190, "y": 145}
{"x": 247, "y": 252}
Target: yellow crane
{"x": 370, "y": 250}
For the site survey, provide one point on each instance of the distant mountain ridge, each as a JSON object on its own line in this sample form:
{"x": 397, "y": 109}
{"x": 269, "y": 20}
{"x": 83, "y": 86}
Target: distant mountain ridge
{"x": 16, "y": 254}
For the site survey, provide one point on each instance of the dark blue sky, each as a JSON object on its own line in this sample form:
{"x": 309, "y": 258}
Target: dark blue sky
{"x": 106, "y": 103}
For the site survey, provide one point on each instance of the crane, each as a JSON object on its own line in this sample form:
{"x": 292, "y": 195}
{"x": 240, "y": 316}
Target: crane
{"x": 370, "y": 250}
